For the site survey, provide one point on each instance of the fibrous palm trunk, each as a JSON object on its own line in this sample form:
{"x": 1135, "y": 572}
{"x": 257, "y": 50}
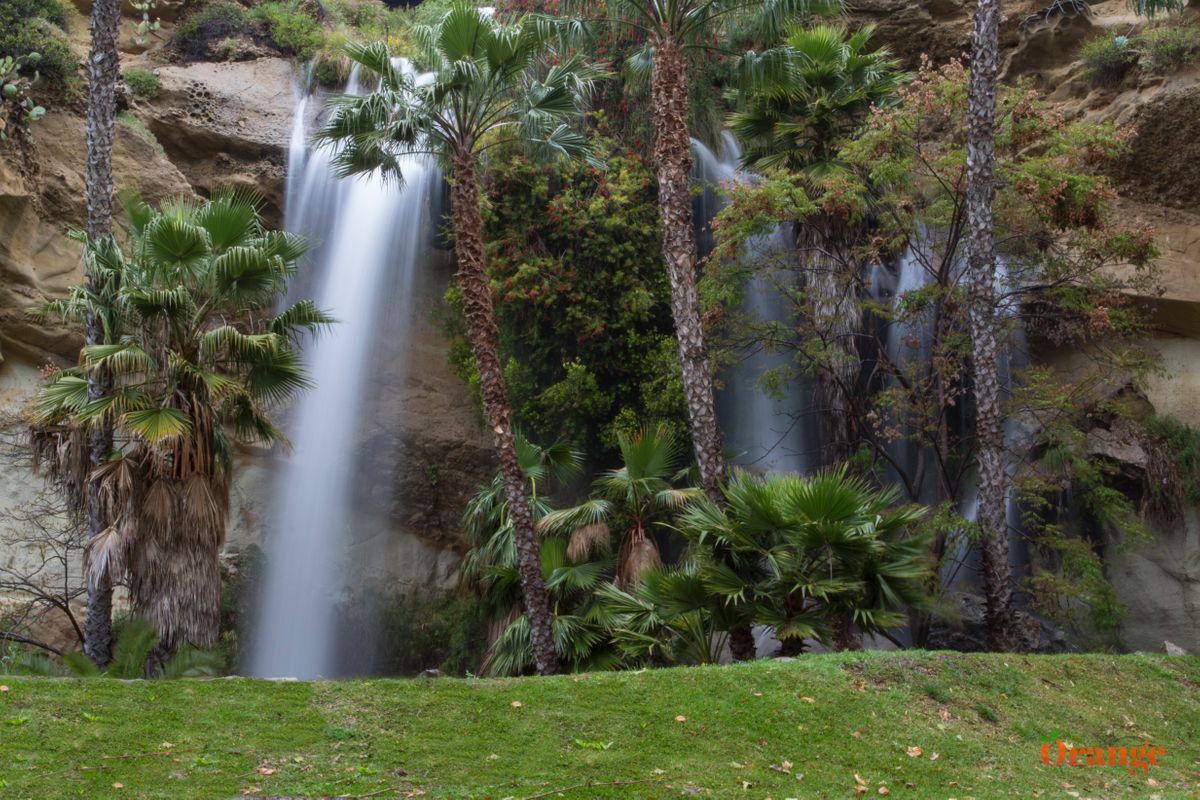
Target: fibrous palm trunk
{"x": 981, "y": 256}
{"x": 481, "y": 328}
{"x": 673, "y": 162}
{"x": 103, "y": 69}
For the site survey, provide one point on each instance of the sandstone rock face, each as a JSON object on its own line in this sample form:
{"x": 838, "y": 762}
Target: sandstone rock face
{"x": 227, "y": 124}
{"x": 41, "y": 197}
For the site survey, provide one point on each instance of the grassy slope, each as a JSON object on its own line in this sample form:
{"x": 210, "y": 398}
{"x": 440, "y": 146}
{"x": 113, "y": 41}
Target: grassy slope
{"x": 831, "y": 716}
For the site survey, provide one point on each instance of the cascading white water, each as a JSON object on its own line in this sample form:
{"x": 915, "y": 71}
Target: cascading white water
{"x": 907, "y": 343}
{"x": 370, "y": 237}
{"x": 767, "y": 431}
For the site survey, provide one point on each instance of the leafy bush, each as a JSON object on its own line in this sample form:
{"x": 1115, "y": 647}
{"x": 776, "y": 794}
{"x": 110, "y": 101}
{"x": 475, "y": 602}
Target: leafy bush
{"x": 38, "y": 26}
{"x": 228, "y": 49}
{"x": 582, "y": 300}
{"x": 1169, "y": 47}
{"x": 142, "y": 82}
{"x": 1106, "y": 60}
{"x": 290, "y": 28}
{"x": 214, "y": 21}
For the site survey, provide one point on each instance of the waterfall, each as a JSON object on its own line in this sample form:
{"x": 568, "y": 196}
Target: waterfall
{"x": 370, "y": 237}
{"x": 764, "y": 431}
{"x": 907, "y": 342}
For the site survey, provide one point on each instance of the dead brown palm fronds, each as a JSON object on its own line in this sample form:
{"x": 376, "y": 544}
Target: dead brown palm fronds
{"x": 198, "y": 364}
{"x": 638, "y": 554}
{"x": 589, "y": 540}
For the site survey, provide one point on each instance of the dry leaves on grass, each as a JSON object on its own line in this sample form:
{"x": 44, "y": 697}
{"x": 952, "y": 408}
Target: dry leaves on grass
{"x": 516, "y": 704}
{"x": 914, "y": 752}
{"x": 681, "y": 718}
{"x": 3, "y": 688}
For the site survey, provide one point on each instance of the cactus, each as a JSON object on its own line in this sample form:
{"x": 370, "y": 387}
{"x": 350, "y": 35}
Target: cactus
{"x": 17, "y": 106}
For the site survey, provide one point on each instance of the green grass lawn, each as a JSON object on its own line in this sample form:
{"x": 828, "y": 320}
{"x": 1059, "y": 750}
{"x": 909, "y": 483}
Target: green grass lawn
{"x": 907, "y": 725}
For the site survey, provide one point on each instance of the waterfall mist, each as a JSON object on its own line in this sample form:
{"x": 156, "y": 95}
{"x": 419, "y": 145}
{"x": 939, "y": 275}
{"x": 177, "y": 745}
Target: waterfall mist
{"x": 765, "y": 431}
{"x": 371, "y": 241}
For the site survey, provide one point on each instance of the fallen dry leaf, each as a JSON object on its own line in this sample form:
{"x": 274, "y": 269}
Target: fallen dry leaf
{"x": 934, "y": 756}
{"x": 118, "y": 786}
{"x": 884, "y": 790}
{"x": 3, "y": 688}
{"x": 808, "y": 700}
{"x": 914, "y": 752}
{"x": 944, "y": 714}
{"x": 265, "y": 771}
{"x": 859, "y": 779}
{"x": 1151, "y": 782}
{"x": 856, "y": 734}
{"x": 516, "y": 704}
{"x": 681, "y": 718}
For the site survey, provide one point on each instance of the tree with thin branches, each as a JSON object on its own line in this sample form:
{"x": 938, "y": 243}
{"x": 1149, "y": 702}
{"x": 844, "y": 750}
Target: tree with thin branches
{"x": 820, "y": 85}
{"x": 490, "y": 85}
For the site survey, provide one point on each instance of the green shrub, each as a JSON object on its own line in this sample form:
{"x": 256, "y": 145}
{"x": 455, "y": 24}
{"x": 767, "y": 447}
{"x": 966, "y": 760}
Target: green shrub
{"x": 1107, "y": 59}
{"x": 213, "y": 22}
{"x": 1169, "y": 47}
{"x": 142, "y": 82}
{"x": 228, "y": 49}
{"x": 39, "y": 26}
{"x": 582, "y": 301}
{"x": 290, "y": 28}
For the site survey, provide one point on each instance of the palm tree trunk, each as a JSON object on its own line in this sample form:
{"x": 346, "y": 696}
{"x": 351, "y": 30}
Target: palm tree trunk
{"x": 673, "y": 161}
{"x": 481, "y": 328}
{"x": 741, "y": 643}
{"x": 103, "y": 69}
{"x": 981, "y": 256}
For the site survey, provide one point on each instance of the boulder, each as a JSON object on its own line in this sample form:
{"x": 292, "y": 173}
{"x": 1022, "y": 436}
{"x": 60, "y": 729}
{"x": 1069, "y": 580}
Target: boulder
{"x": 1158, "y": 583}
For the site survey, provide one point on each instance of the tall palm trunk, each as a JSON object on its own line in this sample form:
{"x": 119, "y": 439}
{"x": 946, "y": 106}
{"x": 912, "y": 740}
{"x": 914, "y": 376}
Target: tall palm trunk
{"x": 836, "y": 315}
{"x": 981, "y": 255}
{"x": 481, "y": 328}
{"x": 673, "y": 162}
{"x": 103, "y": 69}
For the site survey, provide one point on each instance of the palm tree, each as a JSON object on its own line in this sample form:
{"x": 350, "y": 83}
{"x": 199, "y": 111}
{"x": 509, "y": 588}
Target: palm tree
{"x": 810, "y": 557}
{"x": 637, "y": 496}
{"x": 491, "y": 85}
{"x": 572, "y": 573}
{"x": 672, "y": 27}
{"x": 802, "y": 100}
{"x": 985, "y": 339}
{"x": 103, "y": 68}
{"x": 198, "y": 364}
{"x": 490, "y": 566}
